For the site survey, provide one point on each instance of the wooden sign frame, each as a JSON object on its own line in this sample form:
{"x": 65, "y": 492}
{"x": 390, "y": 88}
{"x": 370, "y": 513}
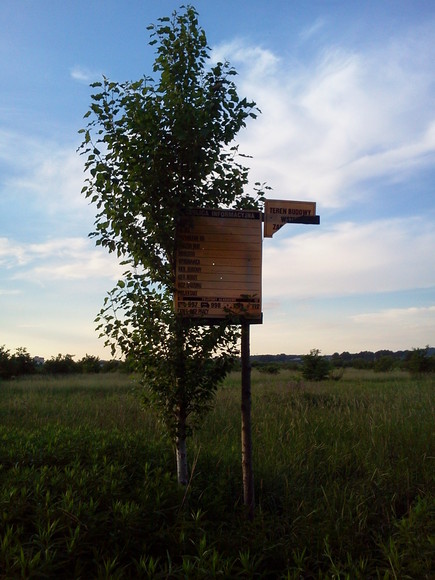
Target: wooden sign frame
{"x": 218, "y": 265}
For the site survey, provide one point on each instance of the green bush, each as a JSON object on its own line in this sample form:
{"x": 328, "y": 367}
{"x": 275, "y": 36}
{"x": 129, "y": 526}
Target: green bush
{"x": 61, "y": 365}
{"x": 315, "y": 367}
{"x": 17, "y": 364}
{"x": 384, "y": 364}
{"x": 419, "y": 361}
{"x": 271, "y": 369}
{"x": 90, "y": 364}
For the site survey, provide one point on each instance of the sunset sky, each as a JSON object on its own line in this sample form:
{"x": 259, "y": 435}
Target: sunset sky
{"x": 347, "y": 94}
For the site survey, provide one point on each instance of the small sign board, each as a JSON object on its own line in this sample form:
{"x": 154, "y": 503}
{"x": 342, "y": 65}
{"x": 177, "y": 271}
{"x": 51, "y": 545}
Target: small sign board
{"x": 278, "y": 212}
{"x": 218, "y": 264}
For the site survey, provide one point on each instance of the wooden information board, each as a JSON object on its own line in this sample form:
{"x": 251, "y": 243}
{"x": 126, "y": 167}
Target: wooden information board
{"x": 218, "y": 269}
{"x": 278, "y": 212}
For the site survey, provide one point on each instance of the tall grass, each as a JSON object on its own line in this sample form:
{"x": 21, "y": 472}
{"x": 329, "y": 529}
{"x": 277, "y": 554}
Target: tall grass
{"x": 345, "y": 481}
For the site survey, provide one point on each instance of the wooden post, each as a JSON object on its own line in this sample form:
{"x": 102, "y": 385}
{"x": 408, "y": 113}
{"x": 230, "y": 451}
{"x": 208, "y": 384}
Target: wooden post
{"x": 247, "y": 471}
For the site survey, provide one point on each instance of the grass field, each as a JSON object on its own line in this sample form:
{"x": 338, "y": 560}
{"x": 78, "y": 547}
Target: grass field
{"x": 344, "y": 477}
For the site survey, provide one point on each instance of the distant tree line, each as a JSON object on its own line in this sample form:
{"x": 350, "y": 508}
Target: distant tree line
{"x": 415, "y": 360}
{"x": 21, "y": 363}
{"x": 314, "y": 366}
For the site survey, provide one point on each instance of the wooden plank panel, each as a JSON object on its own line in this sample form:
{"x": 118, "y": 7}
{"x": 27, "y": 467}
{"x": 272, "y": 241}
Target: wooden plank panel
{"x": 219, "y": 264}
{"x": 232, "y": 276}
{"x": 224, "y": 295}
{"x": 215, "y": 286}
{"x": 212, "y": 257}
{"x": 242, "y": 251}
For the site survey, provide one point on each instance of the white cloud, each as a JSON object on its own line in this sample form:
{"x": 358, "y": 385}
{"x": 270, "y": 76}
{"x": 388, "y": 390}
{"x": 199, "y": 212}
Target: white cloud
{"x": 261, "y": 62}
{"x": 59, "y": 259}
{"x": 413, "y": 326}
{"x": 8, "y": 292}
{"x": 44, "y": 174}
{"x": 346, "y": 118}
{"x": 301, "y": 330}
{"x": 327, "y": 127}
{"x": 413, "y": 317}
{"x": 84, "y": 74}
{"x": 90, "y": 265}
{"x": 312, "y": 30}
{"x": 11, "y": 254}
{"x": 56, "y": 178}
{"x": 350, "y": 259}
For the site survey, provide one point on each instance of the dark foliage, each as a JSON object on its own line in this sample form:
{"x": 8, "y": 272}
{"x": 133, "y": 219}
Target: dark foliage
{"x": 315, "y": 367}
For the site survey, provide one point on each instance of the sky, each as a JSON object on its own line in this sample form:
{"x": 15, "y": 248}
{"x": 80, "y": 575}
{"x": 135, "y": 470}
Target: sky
{"x": 347, "y": 95}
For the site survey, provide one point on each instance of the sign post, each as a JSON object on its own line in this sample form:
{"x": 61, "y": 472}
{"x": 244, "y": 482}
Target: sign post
{"x": 218, "y": 274}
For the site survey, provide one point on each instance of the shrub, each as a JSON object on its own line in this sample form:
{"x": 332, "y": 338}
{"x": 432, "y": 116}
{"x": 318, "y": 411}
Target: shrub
{"x": 89, "y": 364}
{"x": 315, "y": 367}
{"x": 384, "y": 364}
{"x": 419, "y": 361}
{"x": 5, "y": 363}
{"x": 271, "y": 369}
{"x": 61, "y": 365}
{"x": 17, "y": 364}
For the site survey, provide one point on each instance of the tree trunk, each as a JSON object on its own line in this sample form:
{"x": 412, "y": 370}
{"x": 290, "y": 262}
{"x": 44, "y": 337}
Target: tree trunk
{"x": 181, "y": 448}
{"x": 181, "y": 415}
{"x": 182, "y": 470}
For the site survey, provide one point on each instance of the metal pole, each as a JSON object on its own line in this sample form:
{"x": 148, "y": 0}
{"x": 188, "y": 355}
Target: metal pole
{"x": 247, "y": 471}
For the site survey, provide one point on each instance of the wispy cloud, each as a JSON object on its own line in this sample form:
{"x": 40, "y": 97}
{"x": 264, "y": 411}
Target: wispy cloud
{"x": 410, "y": 317}
{"x": 298, "y": 330}
{"x": 348, "y": 117}
{"x": 11, "y": 254}
{"x": 8, "y": 292}
{"x": 84, "y": 74}
{"x": 58, "y": 259}
{"x": 43, "y": 179}
{"x": 350, "y": 259}
{"x": 312, "y": 30}
{"x": 397, "y": 326}
{"x": 262, "y": 62}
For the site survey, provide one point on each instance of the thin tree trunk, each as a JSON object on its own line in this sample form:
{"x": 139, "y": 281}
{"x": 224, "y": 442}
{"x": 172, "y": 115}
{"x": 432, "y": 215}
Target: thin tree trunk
{"x": 247, "y": 469}
{"x": 180, "y": 442}
{"x": 182, "y": 469}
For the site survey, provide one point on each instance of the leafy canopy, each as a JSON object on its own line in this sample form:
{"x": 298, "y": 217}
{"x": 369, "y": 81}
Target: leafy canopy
{"x": 314, "y": 366}
{"x": 164, "y": 146}
{"x": 155, "y": 148}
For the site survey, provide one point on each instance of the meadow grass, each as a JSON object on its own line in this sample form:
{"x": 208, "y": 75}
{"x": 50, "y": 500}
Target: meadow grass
{"x": 344, "y": 478}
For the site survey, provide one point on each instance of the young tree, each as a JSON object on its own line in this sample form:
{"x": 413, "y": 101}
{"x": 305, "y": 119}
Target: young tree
{"x": 155, "y": 148}
{"x": 314, "y": 366}
{"x": 5, "y": 363}
{"x": 420, "y": 362}
{"x": 22, "y": 363}
{"x": 61, "y": 365}
{"x": 89, "y": 364}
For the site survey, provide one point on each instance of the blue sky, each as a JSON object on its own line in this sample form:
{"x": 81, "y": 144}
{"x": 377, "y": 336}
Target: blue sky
{"x": 347, "y": 94}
